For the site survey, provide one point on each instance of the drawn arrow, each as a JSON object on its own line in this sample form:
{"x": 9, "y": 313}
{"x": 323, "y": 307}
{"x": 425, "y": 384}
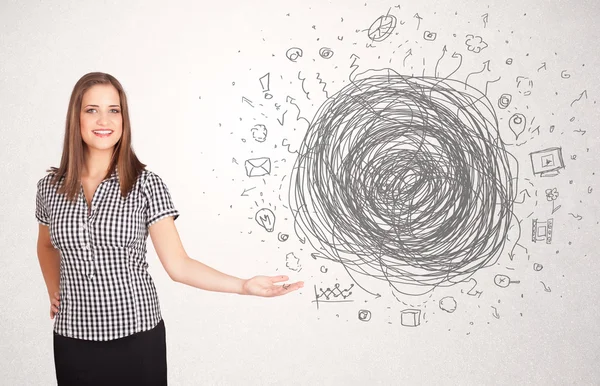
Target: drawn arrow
{"x": 244, "y": 99}
{"x": 246, "y": 191}
{"x": 282, "y": 118}
{"x": 584, "y": 93}
{"x": 495, "y": 314}
{"x": 353, "y": 66}
{"x": 523, "y": 193}
{"x": 486, "y": 65}
{"x": 485, "y": 17}
{"x": 542, "y": 67}
{"x": 456, "y": 55}
{"x": 408, "y": 53}
{"x": 435, "y": 72}
{"x": 419, "y": 18}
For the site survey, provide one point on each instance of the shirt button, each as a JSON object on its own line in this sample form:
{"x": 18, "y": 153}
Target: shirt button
{"x": 91, "y": 276}
{"x": 84, "y": 226}
{"x": 87, "y": 246}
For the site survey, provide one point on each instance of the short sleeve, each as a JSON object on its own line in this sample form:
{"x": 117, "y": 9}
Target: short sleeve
{"x": 41, "y": 212}
{"x": 159, "y": 202}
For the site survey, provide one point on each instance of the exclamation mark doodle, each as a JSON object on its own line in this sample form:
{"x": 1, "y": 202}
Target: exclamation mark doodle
{"x": 264, "y": 83}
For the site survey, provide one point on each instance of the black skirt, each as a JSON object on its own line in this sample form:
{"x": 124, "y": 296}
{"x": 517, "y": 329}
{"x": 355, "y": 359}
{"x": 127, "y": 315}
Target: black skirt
{"x": 138, "y": 359}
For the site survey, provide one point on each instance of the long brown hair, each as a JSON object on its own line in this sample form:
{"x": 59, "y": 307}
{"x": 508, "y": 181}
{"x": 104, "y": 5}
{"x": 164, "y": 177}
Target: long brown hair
{"x": 124, "y": 159}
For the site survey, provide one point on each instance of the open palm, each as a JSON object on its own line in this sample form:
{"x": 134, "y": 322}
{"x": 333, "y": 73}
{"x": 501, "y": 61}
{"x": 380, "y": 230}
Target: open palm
{"x": 266, "y": 286}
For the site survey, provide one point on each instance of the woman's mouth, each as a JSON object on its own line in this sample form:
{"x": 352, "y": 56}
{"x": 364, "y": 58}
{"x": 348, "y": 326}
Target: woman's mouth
{"x": 102, "y": 133}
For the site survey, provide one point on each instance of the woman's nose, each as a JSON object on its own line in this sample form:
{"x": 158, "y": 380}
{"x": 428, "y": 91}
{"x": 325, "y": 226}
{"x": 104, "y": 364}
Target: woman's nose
{"x": 102, "y": 118}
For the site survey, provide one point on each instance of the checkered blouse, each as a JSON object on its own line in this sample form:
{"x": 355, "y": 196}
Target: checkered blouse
{"x": 106, "y": 291}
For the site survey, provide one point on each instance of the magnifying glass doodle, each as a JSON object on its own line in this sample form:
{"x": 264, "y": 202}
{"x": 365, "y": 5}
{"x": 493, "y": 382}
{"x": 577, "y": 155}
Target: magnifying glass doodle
{"x": 504, "y": 281}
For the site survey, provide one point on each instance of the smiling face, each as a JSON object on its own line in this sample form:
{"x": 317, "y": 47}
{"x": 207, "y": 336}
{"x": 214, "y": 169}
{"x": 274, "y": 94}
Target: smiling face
{"x": 100, "y": 118}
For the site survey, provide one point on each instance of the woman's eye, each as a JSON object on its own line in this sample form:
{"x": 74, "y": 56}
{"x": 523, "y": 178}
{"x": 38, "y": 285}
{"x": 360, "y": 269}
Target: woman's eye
{"x": 90, "y": 110}
{"x": 115, "y": 111}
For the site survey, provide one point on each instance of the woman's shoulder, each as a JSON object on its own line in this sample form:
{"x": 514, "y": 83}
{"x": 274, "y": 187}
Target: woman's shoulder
{"x": 47, "y": 178}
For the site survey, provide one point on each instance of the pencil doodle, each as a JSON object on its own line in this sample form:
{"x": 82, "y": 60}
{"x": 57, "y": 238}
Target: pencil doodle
{"x": 292, "y": 262}
{"x": 429, "y": 36}
{"x": 293, "y": 54}
{"x": 323, "y": 83}
{"x": 410, "y": 317}
{"x": 333, "y": 295}
{"x": 398, "y": 207}
{"x": 448, "y": 304}
{"x": 504, "y": 281}
{"x": 265, "y": 84}
{"x": 485, "y": 17}
{"x": 517, "y": 124}
{"x": 245, "y": 191}
{"x": 325, "y": 53}
{"x": 546, "y": 288}
{"x": 419, "y": 18}
{"x": 401, "y": 178}
{"x": 583, "y": 94}
{"x": 524, "y": 85}
{"x": 472, "y": 291}
{"x": 486, "y": 67}
{"x": 475, "y": 43}
{"x": 248, "y": 101}
{"x": 542, "y": 67}
{"x": 258, "y": 167}
{"x": 303, "y": 89}
{"x": 552, "y": 195}
{"x": 364, "y": 315}
{"x": 504, "y": 101}
{"x": 547, "y": 162}
{"x": 266, "y": 219}
{"x": 382, "y": 28}
{"x": 259, "y": 132}
{"x": 542, "y": 230}
{"x": 353, "y": 66}
{"x": 495, "y": 314}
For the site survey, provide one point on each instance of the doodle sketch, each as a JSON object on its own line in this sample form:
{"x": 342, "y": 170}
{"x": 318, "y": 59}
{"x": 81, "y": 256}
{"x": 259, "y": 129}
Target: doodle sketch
{"x": 397, "y": 165}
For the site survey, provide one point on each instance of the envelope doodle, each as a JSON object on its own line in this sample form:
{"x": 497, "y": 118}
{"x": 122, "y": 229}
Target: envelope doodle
{"x": 257, "y": 167}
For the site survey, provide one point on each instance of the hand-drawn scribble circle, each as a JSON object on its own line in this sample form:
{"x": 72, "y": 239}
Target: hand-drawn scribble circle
{"x": 405, "y": 180}
{"x": 448, "y": 304}
{"x": 364, "y": 315}
{"x": 325, "y": 53}
{"x": 504, "y": 101}
{"x": 382, "y": 28}
{"x": 293, "y": 53}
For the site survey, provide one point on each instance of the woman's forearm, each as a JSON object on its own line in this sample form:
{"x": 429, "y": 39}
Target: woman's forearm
{"x": 199, "y": 275}
{"x": 49, "y": 259}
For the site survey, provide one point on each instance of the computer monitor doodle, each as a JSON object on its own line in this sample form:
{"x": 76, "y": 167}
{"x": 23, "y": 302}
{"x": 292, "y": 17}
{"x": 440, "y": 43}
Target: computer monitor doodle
{"x": 547, "y": 162}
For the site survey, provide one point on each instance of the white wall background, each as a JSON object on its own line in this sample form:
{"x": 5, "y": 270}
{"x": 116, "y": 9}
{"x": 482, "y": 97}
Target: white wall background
{"x": 177, "y": 61}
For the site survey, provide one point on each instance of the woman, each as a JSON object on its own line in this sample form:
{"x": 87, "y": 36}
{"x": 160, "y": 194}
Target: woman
{"x": 95, "y": 213}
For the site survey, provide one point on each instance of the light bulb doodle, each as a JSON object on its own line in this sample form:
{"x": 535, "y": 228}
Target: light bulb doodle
{"x": 266, "y": 219}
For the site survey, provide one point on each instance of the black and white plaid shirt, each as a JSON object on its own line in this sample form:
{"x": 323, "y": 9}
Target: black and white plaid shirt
{"x": 106, "y": 291}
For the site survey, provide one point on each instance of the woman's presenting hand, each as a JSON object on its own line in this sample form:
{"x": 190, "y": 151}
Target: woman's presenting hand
{"x": 54, "y": 303}
{"x": 265, "y": 286}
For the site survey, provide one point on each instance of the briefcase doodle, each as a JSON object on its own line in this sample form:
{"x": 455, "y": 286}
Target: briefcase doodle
{"x": 257, "y": 167}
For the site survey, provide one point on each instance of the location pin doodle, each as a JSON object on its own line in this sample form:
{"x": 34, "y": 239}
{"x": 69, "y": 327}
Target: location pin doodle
{"x": 517, "y": 124}
{"x": 266, "y": 219}
{"x": 503, "y": 281}
{"x": 264, "y": 82}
